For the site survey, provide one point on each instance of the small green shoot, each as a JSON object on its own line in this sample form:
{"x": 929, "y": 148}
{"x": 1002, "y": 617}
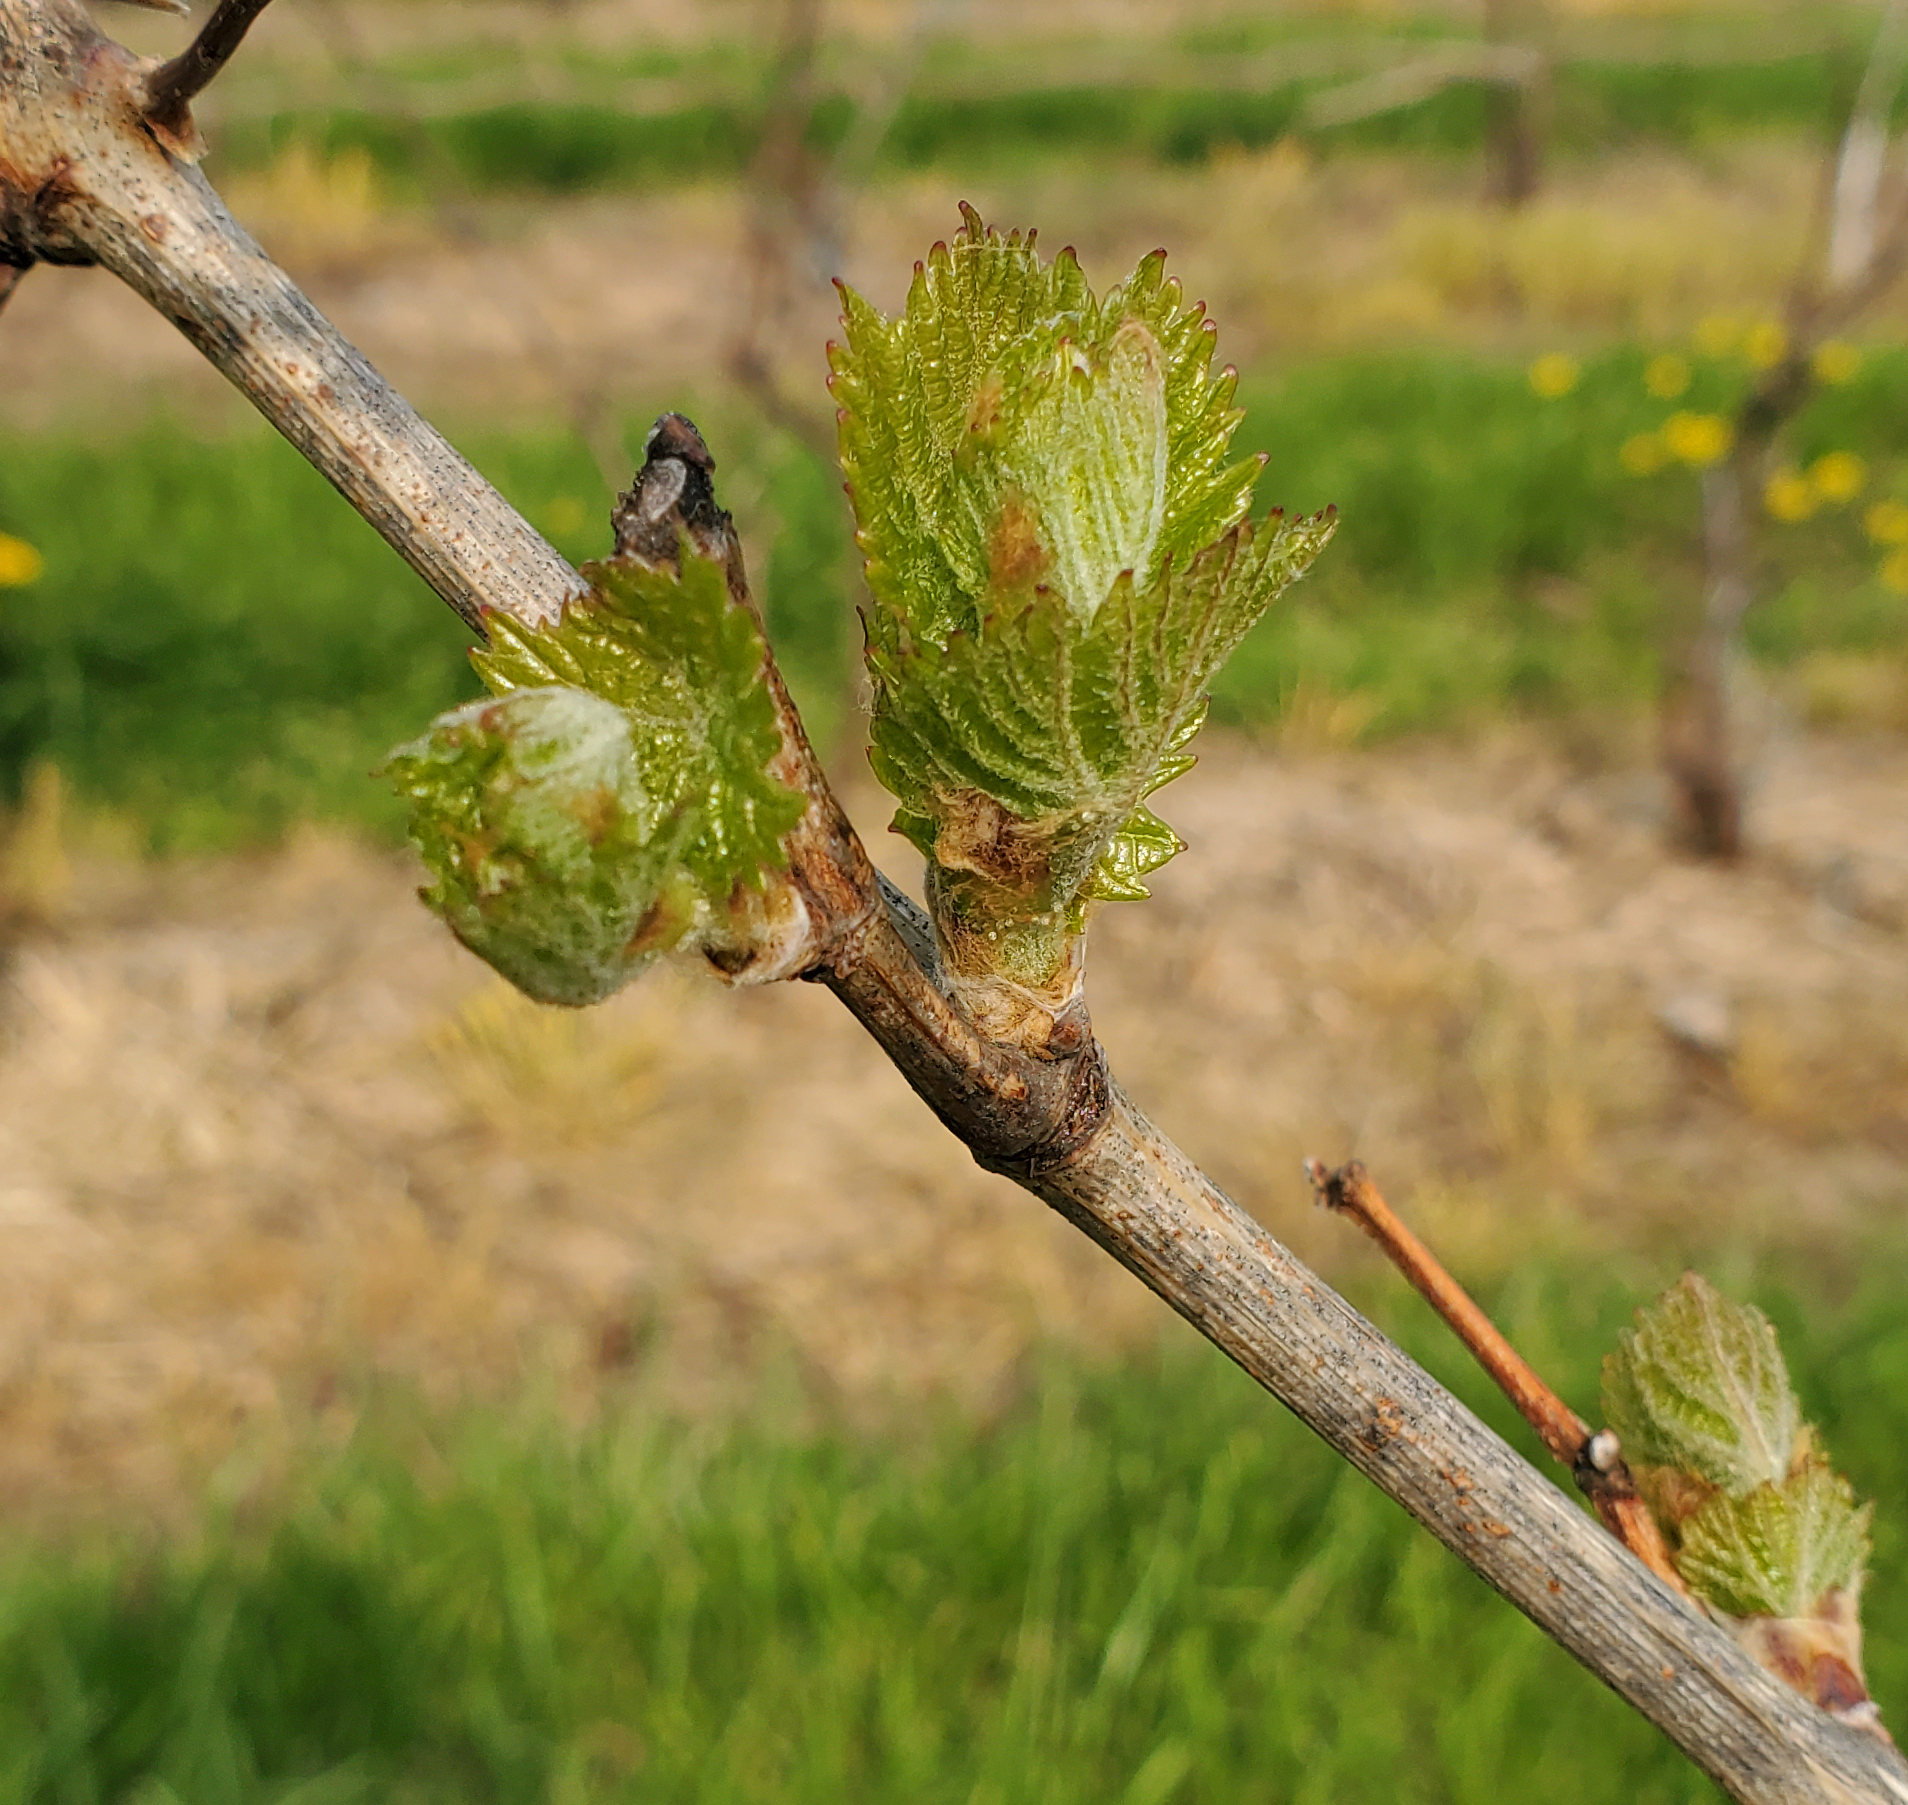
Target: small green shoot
{"x": 614, "y": 802}
{"x": 1760, "y": 1526}
{"x": 1059, "y": 559}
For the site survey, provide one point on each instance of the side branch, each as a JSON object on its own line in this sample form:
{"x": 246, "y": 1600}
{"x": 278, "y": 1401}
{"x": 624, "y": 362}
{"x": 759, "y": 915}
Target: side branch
{"x": 176, "y": 84}
{"x": 1350, "y": 1192}
{"x": 1594, "y": 1461}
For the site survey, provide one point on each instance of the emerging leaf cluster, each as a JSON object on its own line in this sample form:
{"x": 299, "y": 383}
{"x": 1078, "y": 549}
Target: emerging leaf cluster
{"x": 1761, "y": 1525}
{"x": 614, "y": 801}
{"x": 1057, "y": 554}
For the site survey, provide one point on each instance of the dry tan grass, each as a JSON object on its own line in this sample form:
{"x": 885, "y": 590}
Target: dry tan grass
{"x": 36, "y": 870}
{"x": 1827, "y": 1075}
{"x": 1854, "y": 689}
{"x": 536, "y": 1077}
{"x": 326, "y": 212}
{"x": 1298, "y": 255}
{"x": 1637, "y": 248}
{"x": 268, "y": 1132}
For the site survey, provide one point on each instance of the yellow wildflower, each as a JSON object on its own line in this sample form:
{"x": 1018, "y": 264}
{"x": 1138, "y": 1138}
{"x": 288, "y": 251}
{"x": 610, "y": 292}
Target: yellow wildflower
{"x": 20, "y": 563}
{"x": 1554, "y": 374}
{"x": 1765, "y": 345}
{"x": 1666, "y": 376}
{"x": 1886, "y": 523}
{"x": 1790, "y": 496}
{"x": 1643, "y": 454}
{"x": 1718, "y": 335}
{"x": 1838, "y": 476}
{"x": 1836, "y": 361}
{"x": 1698, "y": 439}
{"x": 1894, "y": 571}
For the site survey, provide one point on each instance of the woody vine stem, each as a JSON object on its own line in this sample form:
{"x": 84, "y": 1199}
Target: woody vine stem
{"x": 96, "y": 168}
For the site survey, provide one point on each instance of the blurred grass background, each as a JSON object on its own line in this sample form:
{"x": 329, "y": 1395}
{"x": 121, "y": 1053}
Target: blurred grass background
{"x": 568, "y": 147}
{"x": 219, "y": 648}
{"x": 1138, "y": 1583}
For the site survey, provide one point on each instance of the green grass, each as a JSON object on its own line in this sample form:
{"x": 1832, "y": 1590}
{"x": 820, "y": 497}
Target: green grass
{"x": 219, "y": 647}
{"x": 1495, "y": 557}
{"x": 576, "y": 145}
{"x": 1146, "y": 1584}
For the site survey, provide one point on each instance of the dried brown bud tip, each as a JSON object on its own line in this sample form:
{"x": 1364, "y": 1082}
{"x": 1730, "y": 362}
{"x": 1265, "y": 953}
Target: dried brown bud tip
{"x": 674, "y": 492}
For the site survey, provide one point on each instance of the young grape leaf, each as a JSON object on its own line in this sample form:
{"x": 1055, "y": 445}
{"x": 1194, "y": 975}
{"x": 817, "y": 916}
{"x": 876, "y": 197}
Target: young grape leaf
{"x": 1761, "y": 1529}
{"x": 1779, "y": 1550}
{"x": 614, "y": 802}
{"x": 1058, "y": 562}
{"x": 1068, "y": 730}
{"x": 1008, "y": 418}
{"x": 1699, "y": 1386}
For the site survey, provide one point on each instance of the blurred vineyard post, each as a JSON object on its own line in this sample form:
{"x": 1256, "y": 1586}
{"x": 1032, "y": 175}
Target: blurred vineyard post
{"x": 1517, "y": 113}
{"x": 799, "y": 219}
{"x": 1853, "y": 255}
{"x": 1511, "y": 66}
{"x": 794, "y": 219}
{"x": 802, "y": 196}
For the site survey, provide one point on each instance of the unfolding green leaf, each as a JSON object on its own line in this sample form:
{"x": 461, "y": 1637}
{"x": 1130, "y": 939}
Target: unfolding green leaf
{"x": 687, "y": 663}
{"x": 1008, "y": 418}
{"x": 1058, "y": 560}
{"x": 1207, "y": 491}
{"x": 615, "y": 801}
{"x": 1760, "y": 1527}
{"x": 1070, "y": 731}
{"x": 549, "y": 858}
{"x": 1091, "y": 463}
{"x": 910, "y": 395}
{"x": 1699, "y": 1386}
{"x": 1140, "y": 847}
{"x": 1777, "y": 1551}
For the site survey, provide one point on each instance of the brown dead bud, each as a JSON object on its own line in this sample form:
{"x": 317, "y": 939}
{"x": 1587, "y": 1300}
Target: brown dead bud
{"x": 812, "y": 922}
{"x": 673, "y": 494}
